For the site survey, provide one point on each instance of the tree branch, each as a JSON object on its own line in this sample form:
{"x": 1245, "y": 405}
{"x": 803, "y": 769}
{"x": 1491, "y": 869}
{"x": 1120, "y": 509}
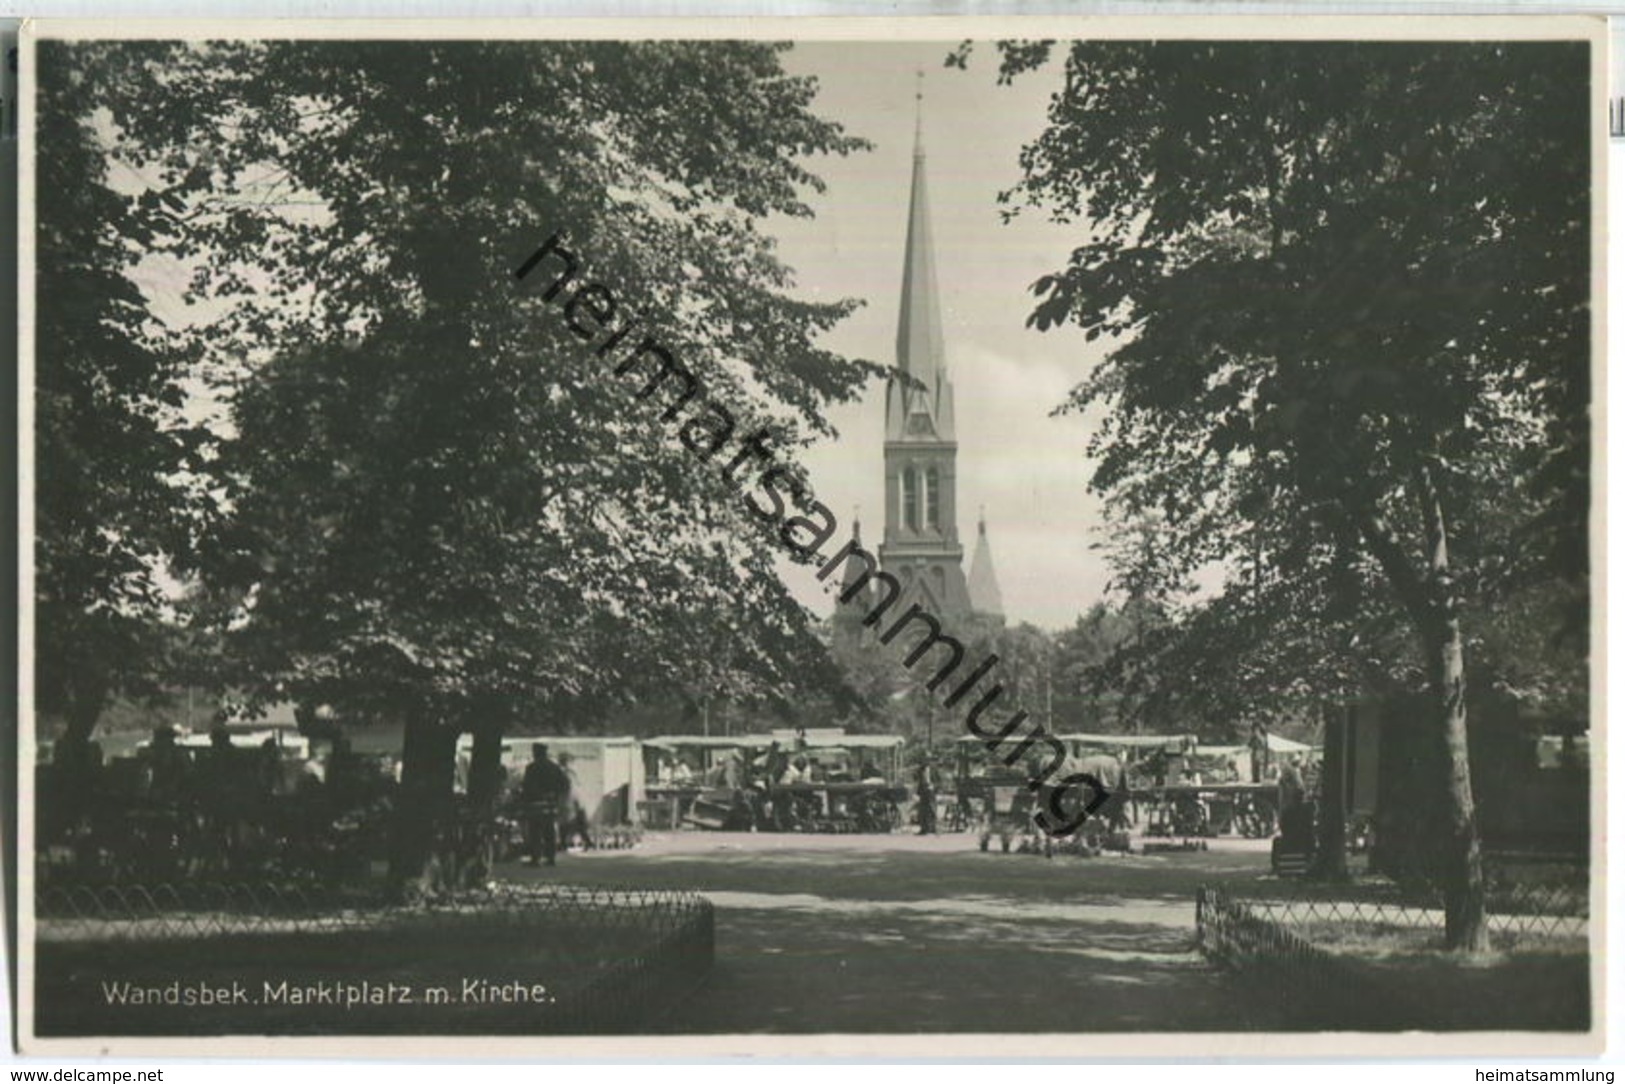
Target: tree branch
{"x": 1390, "y": 554}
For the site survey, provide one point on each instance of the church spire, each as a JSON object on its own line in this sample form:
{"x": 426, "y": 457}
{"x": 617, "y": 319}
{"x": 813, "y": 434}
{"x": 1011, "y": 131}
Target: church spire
{"x": 921, "y": 547}
{"x": 925, "y": 411}
{"x": 919, "y": 111}
{"x": 856, "y": 574}
{"x": 984, "y": 585}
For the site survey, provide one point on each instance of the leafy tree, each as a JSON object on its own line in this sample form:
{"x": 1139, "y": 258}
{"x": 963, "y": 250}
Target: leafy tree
{"x": 1301, "y": 621}
{"x": 1348, "y": 284}
{"x": 444, "y": 505}
{"x": 1026, "y": 660}
{"x": 113, "y": 455}
{"x": 872, "y": 693}
{"x": 1086, "y": 696}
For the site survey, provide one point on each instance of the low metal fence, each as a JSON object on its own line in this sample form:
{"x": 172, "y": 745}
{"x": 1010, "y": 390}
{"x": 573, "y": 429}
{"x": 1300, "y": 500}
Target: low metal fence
{"x": 1525, "y": 902}
{"x": 624, "y": 955}
{"x": 203, "y": 908}
{"x": 1309, "y": 983}
{"x": 1286, "y": 933}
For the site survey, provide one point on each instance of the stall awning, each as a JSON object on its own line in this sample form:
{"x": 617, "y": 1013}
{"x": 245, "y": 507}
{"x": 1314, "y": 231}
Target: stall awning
{"x": 245, "y": 739}
{"x": 1277, "y": 744}
{"x": 566, "y": 742}
{"x": 814, "y": 740}
{"x": 855, "y": 741}
{"x": 699, "y": 741}
{"x": 1128, "y": 741}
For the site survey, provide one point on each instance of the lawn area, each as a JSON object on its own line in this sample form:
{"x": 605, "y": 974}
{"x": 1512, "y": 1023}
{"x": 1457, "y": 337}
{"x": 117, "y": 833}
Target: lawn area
{"x": 1528, "y": 990}
{"x": 1389, "y": 968}
{"x": 1380, "y": 940}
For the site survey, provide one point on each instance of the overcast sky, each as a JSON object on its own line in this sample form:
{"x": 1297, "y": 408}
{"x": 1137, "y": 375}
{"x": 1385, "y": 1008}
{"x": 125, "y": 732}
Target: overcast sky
{"x": 1027, "y": 468}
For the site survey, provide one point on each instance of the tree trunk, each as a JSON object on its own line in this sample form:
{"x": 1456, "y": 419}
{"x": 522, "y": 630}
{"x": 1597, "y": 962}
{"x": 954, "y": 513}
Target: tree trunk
{"x": 1331, "y": 852}
{"x": 428, "y": 770}
{"x": 1460, "y": 870}
{"x": 485, "y": 766}
{"x": 1431, "y": 600}
{"x": 85, "y": 701}
{"x": 480, "y": 849}
{"x": 62, "y": 806}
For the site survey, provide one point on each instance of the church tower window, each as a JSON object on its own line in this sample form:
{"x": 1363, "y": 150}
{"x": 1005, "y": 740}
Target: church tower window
{"x": 933, "y": 499}
{"x": 911, "y": 498}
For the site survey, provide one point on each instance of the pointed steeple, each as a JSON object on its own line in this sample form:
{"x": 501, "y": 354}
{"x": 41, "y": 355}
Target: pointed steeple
{"x": 859, "y": 595}
{"x": 855, "y": 571}
{"x": 927, "y": 410}
{"x": 921, "y": 547}
{"x": 984, "y": 585}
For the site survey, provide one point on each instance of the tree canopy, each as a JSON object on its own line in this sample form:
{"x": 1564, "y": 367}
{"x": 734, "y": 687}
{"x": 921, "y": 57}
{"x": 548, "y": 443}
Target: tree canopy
{"x": 1348, "y": 287}
{"x": 115, "y": 458}
{"x": 435, "y": 496}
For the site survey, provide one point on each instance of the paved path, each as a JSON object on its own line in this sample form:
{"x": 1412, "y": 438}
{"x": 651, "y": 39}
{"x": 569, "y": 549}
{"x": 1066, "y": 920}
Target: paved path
{"x": 901, "y": 934}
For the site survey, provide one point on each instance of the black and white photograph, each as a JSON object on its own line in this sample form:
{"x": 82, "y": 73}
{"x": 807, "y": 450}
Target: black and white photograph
{"x": 1050, "y": 535}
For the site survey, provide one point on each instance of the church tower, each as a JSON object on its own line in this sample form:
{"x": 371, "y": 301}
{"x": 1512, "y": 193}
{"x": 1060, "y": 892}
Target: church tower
{"x": 985, "y": 598}
{"x": 921, "y": 544}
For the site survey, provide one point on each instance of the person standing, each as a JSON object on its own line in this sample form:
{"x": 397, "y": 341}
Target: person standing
{"x": 1297, "y": 816}
{"x": 221, "y": 792}
{"x": 1289, "y": 787}
{"x": 1258, "y": 747}
{"x": 345, "y": 784}
{"x": 733, "y": 771}
{"x": 167, "y": 828}
{"x": 773, "y": 768}
{"x": 925, "y": 789}
{"x": 575, "y": 820}
{"x": 545, "y": 792}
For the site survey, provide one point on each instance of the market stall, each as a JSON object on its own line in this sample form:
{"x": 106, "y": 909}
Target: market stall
{"x": 818, "y": 780}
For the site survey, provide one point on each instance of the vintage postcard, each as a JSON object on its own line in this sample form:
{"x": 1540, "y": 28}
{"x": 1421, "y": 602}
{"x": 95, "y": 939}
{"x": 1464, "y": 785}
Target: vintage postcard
{"x": 953, "y": 537}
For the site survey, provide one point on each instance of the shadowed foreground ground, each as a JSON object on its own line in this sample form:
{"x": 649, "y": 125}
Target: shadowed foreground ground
{"x": 901, "y": 934}
{"x": 904, "y": 934}
{"x": 839, "y": 934}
